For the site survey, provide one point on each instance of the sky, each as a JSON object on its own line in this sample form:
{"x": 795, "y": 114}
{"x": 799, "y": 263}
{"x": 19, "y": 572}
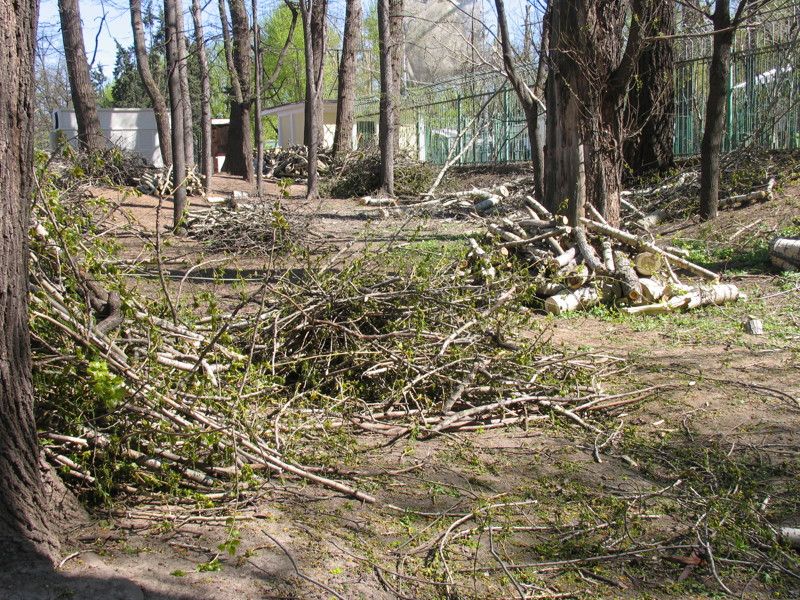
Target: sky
{"x": 101, "y": 34}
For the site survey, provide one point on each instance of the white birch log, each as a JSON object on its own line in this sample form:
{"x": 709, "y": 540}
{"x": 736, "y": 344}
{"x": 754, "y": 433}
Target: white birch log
{"x": 647, "y": 263}
{"x": 632, "y": 240}
{"x": 538, "y": 208}
{"x": 563, "y": 259}
{"x": 577, "y": 277}
{"x": 652, "y": 290}
{"x": 787, "y": 248}
{"x": 783, "y": 264}
{"x": 608, "y": 257}
{"x": 791, "y": 535}
{"x": 490, "y": 202}
{"x": 568, "y": 300}
{"x": 753, "y": 326}
{"x": 629, "y": 280}
{"x": 549, "y": 288}
{"x": 652, "y": 219}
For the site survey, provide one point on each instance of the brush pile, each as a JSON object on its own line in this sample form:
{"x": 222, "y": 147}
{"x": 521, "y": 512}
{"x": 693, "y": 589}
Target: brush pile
{"x": 593, "y": 263}
{"x": 159, "y": 183}
{"x": 292, "y": 162}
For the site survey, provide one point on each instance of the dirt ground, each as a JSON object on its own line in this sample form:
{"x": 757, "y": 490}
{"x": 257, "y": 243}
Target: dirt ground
{"x": 719, "y": 391}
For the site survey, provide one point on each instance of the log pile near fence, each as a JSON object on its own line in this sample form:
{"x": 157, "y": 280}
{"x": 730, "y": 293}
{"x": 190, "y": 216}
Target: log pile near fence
{"x": 292, "y": 162}
{"x": 593, "y": 263}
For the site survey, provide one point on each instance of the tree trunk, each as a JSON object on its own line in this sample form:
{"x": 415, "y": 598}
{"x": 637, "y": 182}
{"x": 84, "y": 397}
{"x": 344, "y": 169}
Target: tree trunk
{"x": 530, "y": 100}
{"x": 206, "y": 158}
{"x": 345, "y": 107}
{"x": 651, "y": 103}
{"x": 397, "y": 53}
{"x": 239, "y": 157}
{"x": 25, "y": 526}
{"x": 711, "y": 145}
{"x": 176, "y": 109}
{"x": 388, "y": 99}
{"x": 183, "y": 71}
{"x": 257, "y": 98}
{"x": 314, "y": 14}
{"x": 156, "y": 97}
{"x": 84, "y": 99}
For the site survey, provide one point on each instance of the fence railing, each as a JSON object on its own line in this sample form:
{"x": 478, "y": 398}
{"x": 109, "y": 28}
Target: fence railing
{"x": 478, "y": 118}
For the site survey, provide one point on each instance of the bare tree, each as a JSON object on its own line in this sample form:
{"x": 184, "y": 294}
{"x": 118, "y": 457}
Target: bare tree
{"x": 84, "y": 99}
{"x": 239, "y": 155}
{"x": 183, "y": 71}
{"x": 529, "y": 98}
{"x": 345, "y": 107}
{"x": 725, "y": 28}
{"x": 25, "y": 524}
{"x": 313, "y": 14}
{"x": 156, "y": 97}
{"x": 257, "y": 97}
{"x": 176, "y": 102}
{"x": 206, "y": 159}
{"x": 388, "y": 125}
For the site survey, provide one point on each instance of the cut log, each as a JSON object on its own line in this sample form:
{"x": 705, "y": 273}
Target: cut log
{"x": 490, "y": 202}
{"x": 577, "y": 277}
{"x": 652, "y": 290}
{"x": 549, "y": 288}
{"x": 629, "y": 280}
{"x": 783, "y": 264}
{"x": 652, "y": 219}
{"x": 787, "y": 248}
{"x": 647, "y": 263}
{"x": 563, "y": 259}
{"x": 568, "y": 300}
{"x": 586, "y": 250}
{"x": 632, "y": 240}
{"x": 791, "y": 535}
{"x": 753, "y": 326}
{"x": 608, "y": 257}
{"x": 538, "y": 208}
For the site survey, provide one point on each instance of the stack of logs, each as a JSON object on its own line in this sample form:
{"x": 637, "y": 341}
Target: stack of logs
{"x": 785, "y": 253}
{"x": 292, "y": 162}
{"x": 159, "y": 183}
{"x": 579, "y": 267}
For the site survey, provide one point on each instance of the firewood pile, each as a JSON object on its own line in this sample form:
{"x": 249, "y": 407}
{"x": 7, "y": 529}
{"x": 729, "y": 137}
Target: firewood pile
{"x": 784, "y": 253}
{"x": 579, "y": 267}
{"x": 292, "y": 162}
{"x": 159, "y": 183}
{"x": 242, "y": 224}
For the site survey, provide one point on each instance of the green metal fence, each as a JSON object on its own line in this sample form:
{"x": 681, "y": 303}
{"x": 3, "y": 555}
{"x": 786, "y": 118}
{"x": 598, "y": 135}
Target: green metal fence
{"x": 477, "y": 119}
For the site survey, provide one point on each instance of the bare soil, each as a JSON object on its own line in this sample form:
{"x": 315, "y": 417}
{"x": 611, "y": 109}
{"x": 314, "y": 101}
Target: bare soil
{"x": 720, "y": 392}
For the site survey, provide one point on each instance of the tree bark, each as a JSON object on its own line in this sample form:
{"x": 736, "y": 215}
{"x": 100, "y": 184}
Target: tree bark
{"x": 239, "y": 156}
{"x": 314, "y": 13}
{"x": 388, "y": 99}
{"x": 651, "y": 103}
{"x": 25, "y": 525}
{"x": 183, "y": 71}
{"x": 711, "y": 145}
{"x": 156, "y": 97}
{"x": 257, "y": 99}
{"x": 206, "y": 158}
{"x": 397, "y": 53}
{"x": 176, "y": 102}
{"x": 345, "y": 107}
{"x": 84, "y": 99}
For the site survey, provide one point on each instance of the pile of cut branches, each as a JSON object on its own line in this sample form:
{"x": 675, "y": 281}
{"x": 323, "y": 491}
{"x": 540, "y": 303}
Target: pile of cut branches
{"x": 292, "y": 162}
{"x": 139, "y": 394}
{"x": 255, "y": 225}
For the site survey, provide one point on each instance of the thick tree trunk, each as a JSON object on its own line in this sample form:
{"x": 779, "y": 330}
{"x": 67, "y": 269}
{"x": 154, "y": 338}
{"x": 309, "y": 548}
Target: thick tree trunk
{"x": 25, "y": 528}
{"x": 257, "y": 99}
{"x": 239, "y": 157}
{"x": 206, "y": 158}
{"x": 345, "y": 107}
{"x": 651, "y": 103}
{"x": 711, "y": 145}
{"x": 388, "y": 99}
{"x": 176, "y": 109}
{"x": 84, "y": 99}
{"x": 156, "y": 97}
{"x": 183, "y": 70}
{"x": 314, "y": 13}
{"x": 397, "y": 53}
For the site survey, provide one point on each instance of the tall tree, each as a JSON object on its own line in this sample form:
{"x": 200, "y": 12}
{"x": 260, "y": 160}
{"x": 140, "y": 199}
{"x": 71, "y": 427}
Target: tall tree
{"x": 257, "y": 98}
{"x": 176, "y": 104}
{"x": 84, "y": 99}
{"x": 206, "y": 159}
{"x": 25, "y": 525}
{"x": 313, "y": 14}
{"x": 397, "y": 55}
{"x": 387, "y": 122}
{"x": 725, "y": 28}
{"x": 345, "y": 107}
{"x": 183, "y": 71}
{"x": 529, "y": 98}
{"x": 239, "y": 155}
{"x": 650, "y": 110}
{"x": 156, "y": 97}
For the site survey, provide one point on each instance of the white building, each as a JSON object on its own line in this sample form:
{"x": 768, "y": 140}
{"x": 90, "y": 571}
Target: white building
{"x": 132, "y": 129}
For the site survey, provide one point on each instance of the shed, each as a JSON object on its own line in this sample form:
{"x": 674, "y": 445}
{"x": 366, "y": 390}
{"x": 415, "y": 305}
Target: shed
{"x": 291, "y": 122}
{"x": 132, "y": 129}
